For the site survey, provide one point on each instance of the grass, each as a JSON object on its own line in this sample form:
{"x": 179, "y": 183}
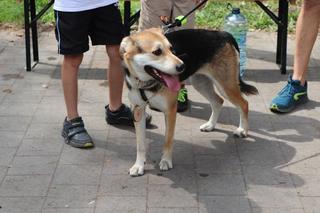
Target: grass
{"x": 212, "y": 16}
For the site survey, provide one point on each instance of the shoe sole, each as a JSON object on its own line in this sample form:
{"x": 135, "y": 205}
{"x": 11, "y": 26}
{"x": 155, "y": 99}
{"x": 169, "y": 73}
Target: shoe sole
{"x": 286, "y": 110}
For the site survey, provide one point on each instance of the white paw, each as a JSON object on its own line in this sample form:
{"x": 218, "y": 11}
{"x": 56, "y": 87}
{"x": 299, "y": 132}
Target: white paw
{"x": 207, "y": 127}
{"x": 241, "y": 133}
{"x": 165, "y": 164}
{"x": 136, "y": 170}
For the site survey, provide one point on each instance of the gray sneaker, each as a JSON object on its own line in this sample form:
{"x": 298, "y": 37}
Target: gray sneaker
{"x": 75, "y": 134}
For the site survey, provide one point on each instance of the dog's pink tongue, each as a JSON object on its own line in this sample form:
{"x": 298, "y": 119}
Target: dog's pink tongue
{"x": 172, "y": 82}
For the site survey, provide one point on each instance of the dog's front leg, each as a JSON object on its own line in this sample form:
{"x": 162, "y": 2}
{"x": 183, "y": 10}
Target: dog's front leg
{"x": 170, "y": 120}
{"x": 140, "y": 126}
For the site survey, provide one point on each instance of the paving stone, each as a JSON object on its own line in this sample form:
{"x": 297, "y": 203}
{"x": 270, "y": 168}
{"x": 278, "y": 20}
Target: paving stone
{"x": 259, "y": 175}
{"x": 118, "y": 165}
{"x": 40, "y": 147}
{"x": 165, "y": 196}
{"x": 30, "y": 165}
{"x": 26, "y": 185}
{"x": 277, "y": 210}
{"x": 44, "y": 131}
{"x": 307, "y": 185}
{"x": 268, "y": 196}
{"x": 181, "y": 176}
{"x": 205, "y": 146}
{"x": 173, "y": 210}
{"x": 272, "y": 156}
{"x": 17, "y": 109}
{"x": 221, "y": 185}
{"x": 221, "y": 164}
{"x": 71, "y": 196}
{"x": 108, "y": 204}
{"x": 123, "y": 185}
{"x": 77, "y": 174}
{"x": 121, "y": 146}
{"x": 219, "y": 204}
{"x": 6, "y": 156}
{"x": 9, "y": 123}
{"x": 68, "y": 210}
{"x": 10, "y": 139}
{"x": 21, "y": 204}
{"x": 311, "y": 204}
{"x": 3, "y": 172}
{"x": 70, "y": 155}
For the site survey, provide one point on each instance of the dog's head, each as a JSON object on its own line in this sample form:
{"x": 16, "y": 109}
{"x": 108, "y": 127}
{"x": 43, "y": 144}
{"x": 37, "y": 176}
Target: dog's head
{"x": 148, "y": 55}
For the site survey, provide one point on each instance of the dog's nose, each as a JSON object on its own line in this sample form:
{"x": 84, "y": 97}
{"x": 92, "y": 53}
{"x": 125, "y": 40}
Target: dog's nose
{"x": 180, "y": 67}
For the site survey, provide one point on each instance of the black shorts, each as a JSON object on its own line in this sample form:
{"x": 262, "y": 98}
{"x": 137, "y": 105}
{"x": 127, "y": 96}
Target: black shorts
{"x": 103, "y": 25}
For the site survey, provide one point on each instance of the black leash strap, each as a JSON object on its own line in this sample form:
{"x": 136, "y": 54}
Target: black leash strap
{"x": 178, "y": 22}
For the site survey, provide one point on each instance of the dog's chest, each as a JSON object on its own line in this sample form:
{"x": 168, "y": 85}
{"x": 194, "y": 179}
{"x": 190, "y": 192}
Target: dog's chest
{"x": 155, "y": 100}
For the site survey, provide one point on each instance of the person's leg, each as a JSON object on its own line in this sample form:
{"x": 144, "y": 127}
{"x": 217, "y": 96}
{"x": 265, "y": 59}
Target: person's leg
{"x": 69, "y": 79}
{"x": 150, "y": 13}
{"x": 73, "y": 130}
{"x": 107, "y": 29}
{"x": 72, "y": 36}
{"x": 295, "y": 92}
{"x": 306, "y": 34}
{"x": 115, "y": 77}
{"x": 181, "y": 8}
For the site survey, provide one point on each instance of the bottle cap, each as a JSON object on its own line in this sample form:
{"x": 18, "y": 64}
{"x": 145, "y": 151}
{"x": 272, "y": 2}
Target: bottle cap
{"x": 235, "y": 10}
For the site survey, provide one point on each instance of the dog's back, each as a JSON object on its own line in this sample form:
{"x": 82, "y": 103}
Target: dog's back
{"x": 197, "y": 47}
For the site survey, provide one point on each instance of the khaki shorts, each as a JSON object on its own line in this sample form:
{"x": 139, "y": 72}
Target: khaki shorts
{"x": 151, "y": 10}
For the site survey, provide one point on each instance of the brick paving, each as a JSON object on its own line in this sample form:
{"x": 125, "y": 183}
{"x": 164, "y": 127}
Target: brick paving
{"x": 275, "y": 170}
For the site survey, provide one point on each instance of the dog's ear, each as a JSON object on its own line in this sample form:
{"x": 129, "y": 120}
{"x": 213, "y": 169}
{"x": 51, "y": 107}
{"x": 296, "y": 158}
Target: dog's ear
{"x": 125, "y": 45}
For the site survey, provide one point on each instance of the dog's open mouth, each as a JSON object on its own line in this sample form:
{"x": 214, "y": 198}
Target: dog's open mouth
{"x": 170, "y": 81}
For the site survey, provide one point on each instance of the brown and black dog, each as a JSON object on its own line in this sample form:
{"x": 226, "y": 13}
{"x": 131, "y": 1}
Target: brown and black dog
{"x": 155, "y": 65}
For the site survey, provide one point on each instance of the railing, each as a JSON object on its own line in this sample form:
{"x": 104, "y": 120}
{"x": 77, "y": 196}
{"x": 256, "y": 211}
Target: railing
{"x": 30, "y": 23}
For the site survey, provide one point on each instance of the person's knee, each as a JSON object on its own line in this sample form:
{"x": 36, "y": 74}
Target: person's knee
{"x": 113, "y": 53}
{"x": 73, "y": 60}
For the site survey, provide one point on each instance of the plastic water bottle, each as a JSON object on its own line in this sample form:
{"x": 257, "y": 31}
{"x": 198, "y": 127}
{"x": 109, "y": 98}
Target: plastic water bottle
{"x": 236, "y": 24}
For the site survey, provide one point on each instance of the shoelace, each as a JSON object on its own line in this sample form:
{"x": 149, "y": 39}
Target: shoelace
{"x": 182, "y": 95}
{"x": 288, "y": 90}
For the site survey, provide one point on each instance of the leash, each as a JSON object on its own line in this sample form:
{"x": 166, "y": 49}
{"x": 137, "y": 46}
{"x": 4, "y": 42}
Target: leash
{"x": 179, "y": 20}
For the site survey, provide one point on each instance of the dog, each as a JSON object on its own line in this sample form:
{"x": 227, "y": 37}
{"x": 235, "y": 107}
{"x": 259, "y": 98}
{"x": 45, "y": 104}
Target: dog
{"x": 155, "y": 64}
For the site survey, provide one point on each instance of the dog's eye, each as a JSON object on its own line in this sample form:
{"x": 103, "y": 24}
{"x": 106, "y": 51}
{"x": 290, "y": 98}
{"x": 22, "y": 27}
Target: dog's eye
{"x": 157, "y": 52}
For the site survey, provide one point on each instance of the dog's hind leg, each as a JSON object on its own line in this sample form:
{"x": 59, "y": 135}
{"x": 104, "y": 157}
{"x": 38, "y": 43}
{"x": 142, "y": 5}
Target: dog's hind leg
{"x": 170, "y": 120}
{"x": 204, "y": 85}
{"x": 233, "y": 94}
{"x": 140, "y": 127}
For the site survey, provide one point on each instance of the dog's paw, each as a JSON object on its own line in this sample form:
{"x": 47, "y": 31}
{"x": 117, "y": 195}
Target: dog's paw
{"x": 136, "y": 170}
{"x": 241, "y": 133}
{"x": 207, "y": 127}
{"x": 165, "y": 164}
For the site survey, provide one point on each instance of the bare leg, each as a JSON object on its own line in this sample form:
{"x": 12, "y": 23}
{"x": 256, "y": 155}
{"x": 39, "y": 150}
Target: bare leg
{"x": 69, "y": 78}
{"x": 306, "y": 34}
{"x": 115, "y": 77}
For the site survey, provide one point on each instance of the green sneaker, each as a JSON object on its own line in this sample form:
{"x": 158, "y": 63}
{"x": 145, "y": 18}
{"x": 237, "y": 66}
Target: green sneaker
{"x": 292, "y": 95}
{"x": 182, "y": 100}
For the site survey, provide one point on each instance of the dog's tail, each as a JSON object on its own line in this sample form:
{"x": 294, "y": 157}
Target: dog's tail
{"x": 247, "y": 89}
